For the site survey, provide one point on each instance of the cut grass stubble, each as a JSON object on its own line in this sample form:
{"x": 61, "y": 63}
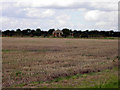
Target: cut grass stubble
{"x": 49, "y": 59}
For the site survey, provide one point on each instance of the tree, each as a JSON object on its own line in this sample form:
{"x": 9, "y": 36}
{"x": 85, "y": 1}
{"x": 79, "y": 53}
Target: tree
{"x": 38, "y": 32}
{"x": 26, "y": 32}
{"x": 76, "y": 34}
{"x": 66, "y": 32}
{"x": 32, "y": 33}
{"x": 84, "y": 35}
{"x": 18, "y": 32}
{"x": 50, "y": 31}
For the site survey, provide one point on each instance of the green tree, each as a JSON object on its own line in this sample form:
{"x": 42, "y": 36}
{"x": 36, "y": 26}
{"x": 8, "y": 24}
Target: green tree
{"x": 38, "y": 32}
{"x": 50, "y": 31}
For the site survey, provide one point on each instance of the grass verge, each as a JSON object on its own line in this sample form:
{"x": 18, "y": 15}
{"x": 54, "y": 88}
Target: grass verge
{"x": 105, "y": 79}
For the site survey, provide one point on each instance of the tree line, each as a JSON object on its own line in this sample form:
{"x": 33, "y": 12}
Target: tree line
{"x": 66, "y": 33}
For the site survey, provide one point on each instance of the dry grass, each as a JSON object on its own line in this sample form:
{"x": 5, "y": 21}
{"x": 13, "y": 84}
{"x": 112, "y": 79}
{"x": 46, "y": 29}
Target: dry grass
{"x": 41, "y": 59}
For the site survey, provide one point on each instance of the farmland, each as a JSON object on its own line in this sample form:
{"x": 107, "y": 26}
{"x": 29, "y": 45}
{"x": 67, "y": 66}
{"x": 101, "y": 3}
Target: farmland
{"x": 40, "y": 62}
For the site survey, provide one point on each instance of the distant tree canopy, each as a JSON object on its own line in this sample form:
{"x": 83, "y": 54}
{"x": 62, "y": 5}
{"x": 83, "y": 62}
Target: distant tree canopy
{"x": 66, "y": 33}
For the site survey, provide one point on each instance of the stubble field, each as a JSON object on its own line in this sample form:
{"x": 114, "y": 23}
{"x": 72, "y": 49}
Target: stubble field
{"x": 30, "y": 60}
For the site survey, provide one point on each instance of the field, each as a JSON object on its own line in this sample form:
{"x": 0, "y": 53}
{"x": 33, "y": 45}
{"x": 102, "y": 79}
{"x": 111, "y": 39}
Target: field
{"x": 59, "y": 62}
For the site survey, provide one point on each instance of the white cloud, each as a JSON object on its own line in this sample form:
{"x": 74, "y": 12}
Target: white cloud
{"x": 38, "y": 13}
{"x": 68, "y": 4}
{"x": 106, "y": 25}
{"x": 82, "y": 9}
{"x": 13, "y": 23}
{"x": 96, "y": 15}
{"x": 105, "y": 6}
{"x": 44, "y": 3}
{"x": 62, "y": 19}
{"x": 92, "y": 15}
{"x": 22, "y": 23}
{"x": 52, "y": 13}
{"x": 103, "y": 19}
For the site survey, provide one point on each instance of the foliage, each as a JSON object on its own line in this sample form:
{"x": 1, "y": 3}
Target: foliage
{"x": 18, "y": 73}
{"x": 66, "y": 33}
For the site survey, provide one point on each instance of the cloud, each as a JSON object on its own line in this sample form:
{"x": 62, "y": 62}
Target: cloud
{"x": 96, "y": 15}
{"x": 62, "y": 19}
{"x": 103, "y": 19}
{"x": 76, "y": 14}
{"x": 22, "y": 23}
{"x": 104, "y": 6}
{"x": 92, "y": 15}
{"x": 107, "y": 5}
{"x": 38, "y": 13}
{"x": 13, "y": 23}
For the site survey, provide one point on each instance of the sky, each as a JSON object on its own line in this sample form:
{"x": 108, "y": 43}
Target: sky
{"x": 59, "y": 14}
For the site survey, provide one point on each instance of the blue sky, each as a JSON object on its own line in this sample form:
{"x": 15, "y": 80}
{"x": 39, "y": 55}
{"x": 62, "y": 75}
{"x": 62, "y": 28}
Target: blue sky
{"x": 59, "y": 14}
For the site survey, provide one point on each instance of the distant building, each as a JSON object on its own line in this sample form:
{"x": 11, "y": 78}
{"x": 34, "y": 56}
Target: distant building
{"x": 57, "y": 33}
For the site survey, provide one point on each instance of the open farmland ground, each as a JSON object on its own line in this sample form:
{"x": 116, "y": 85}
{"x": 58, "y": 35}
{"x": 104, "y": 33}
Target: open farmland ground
{"x": 105, "y": 79}
{"x": 27, "y": 60}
